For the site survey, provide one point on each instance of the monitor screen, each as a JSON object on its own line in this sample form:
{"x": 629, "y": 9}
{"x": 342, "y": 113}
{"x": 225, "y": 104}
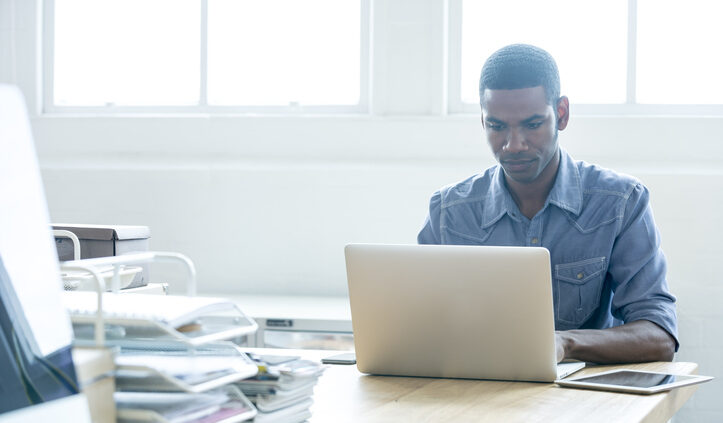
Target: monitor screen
{"x": 35, "y": 330}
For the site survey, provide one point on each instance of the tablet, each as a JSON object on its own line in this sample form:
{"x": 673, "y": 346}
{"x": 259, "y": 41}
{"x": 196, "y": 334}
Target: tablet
{"x": 632, "y": 381}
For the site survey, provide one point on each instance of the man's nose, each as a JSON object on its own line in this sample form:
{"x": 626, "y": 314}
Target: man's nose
{"x": 515, "y": 141}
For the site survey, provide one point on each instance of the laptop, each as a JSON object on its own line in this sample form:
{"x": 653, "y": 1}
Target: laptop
{"x": 449, "y": 311}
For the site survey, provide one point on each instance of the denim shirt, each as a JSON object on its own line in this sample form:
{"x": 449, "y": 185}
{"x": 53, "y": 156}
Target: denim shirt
{"x": 607, "y": 265}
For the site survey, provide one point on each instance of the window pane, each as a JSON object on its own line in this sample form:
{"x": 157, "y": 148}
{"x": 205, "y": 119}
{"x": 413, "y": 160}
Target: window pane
{"x": 679, "y": 57}
{"x": 127, "y": 52}
{"x": 281, "y": 52}
{"x": 586, "y": 38}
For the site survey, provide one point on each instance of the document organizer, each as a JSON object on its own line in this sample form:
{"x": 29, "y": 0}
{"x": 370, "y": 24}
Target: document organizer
{"x": 188, "y": 319}
{"x": 171, "y": 367}
{"x": 167, "y": 367}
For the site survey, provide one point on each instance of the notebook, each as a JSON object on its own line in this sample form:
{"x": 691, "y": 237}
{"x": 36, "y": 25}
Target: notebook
{"x": 474, "y": 312}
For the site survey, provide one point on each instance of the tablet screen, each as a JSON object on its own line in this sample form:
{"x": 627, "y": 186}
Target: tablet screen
{"x": 634, "y": 379}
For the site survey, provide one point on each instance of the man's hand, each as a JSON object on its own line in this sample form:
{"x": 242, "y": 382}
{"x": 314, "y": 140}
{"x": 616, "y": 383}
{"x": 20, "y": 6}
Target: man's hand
{"x": 559, "y": 346}
{"x": 634, "y": 342}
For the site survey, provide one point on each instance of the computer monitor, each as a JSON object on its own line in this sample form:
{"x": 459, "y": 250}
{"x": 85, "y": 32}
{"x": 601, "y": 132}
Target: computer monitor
{"x": 35, "y": 330}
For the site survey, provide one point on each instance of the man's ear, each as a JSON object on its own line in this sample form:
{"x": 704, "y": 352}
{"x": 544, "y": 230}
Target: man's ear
{"x": 563, "y": 112}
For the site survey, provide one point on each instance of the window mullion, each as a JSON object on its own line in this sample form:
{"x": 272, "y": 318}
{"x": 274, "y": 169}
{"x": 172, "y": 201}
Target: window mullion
{"x": 47, "y": 67}
{"x": 454, "y": 56}
{"x": 632, "y": 51}
{"x": 365, "y": 58}
{"x": 203, "y": 99}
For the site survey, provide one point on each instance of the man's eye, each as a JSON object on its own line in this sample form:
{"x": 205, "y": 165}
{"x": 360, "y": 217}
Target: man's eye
{"x": 494, "y": 126}
{"x": 534, "y": 125}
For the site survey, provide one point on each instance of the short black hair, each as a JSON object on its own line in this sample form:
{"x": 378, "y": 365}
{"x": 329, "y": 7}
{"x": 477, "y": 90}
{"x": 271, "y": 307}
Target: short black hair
{"x": 521, "y": 66}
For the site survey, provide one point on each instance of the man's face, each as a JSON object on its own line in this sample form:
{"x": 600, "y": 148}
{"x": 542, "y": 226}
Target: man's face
{"x": 521, "y": 129}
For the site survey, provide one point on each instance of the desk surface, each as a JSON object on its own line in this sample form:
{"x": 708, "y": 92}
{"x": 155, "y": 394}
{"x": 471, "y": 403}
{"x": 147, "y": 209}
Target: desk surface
{"x": 344, "y": 394}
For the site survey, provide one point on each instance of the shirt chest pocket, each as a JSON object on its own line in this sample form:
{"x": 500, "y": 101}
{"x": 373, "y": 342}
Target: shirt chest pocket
{"x": 579, "y": 285}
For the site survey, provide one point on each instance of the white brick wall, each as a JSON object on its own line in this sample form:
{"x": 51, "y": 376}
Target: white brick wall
{"x": 271, "y": 227}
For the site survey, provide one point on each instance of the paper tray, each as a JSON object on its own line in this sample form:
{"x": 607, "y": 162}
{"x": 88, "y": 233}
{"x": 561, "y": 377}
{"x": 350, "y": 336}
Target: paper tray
{"x": 191, "y": 320}
{"x": 236, "y": 400}
{"x": 205, "y": 368}
{"x": 218, "y": 329}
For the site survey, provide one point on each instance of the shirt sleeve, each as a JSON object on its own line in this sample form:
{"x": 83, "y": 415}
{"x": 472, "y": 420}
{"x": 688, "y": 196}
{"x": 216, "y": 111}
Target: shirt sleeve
{"x": 430, "y": 233}
{"x": 638, "y": 268}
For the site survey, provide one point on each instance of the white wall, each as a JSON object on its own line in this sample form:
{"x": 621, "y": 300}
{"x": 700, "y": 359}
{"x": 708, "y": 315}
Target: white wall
{"x": 265, "y": 204}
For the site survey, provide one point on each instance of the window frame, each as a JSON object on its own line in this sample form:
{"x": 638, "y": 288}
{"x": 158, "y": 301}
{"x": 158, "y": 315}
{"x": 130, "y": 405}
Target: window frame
{"x": 49, "y": 106}
{"x": 456, "y": 106}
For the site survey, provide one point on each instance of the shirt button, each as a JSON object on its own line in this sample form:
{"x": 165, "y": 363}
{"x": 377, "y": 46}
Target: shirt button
{"x": 580, "y": 275}
{"x": 535, "y": 240}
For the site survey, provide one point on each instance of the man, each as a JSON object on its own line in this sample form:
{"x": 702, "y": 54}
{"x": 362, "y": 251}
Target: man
{"x": 611, "y": 300}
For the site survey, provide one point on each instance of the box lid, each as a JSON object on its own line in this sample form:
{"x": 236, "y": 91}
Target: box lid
{"x": 105, "y": 232}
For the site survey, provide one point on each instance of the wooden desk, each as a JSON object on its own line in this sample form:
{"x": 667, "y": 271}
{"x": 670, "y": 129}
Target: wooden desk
{"x": 345, "y": 395}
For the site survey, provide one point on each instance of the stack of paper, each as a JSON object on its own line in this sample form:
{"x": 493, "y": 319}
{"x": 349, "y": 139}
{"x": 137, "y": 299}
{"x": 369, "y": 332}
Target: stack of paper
{"x": 282, "y": 390}
{"x": 172, "y": 382}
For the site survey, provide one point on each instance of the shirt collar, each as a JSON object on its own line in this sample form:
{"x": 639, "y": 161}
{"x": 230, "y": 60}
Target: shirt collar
{"x": 499, "y": 201}
{"x": 566, "y": 193}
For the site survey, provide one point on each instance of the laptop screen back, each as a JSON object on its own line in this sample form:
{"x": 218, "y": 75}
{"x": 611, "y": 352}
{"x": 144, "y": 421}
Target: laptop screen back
{"x": 452, "y": 311}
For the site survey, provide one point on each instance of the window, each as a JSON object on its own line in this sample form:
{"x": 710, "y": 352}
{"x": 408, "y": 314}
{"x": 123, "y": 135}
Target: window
{"x": 678, "y": 61}
{"x": 283, "y": 51}
{"x": 202, "y": 55}
{"x": 105, "y": 56}
{"x": 613, "y": 55}
{"x": 597, "y": 54}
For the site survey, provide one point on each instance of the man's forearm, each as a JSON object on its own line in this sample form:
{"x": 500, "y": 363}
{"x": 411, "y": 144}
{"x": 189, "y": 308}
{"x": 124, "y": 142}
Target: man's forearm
{"x": 638, "y": 341}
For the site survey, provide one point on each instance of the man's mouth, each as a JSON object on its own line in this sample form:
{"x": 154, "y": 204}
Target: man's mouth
{"x": 517, "y": 165}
